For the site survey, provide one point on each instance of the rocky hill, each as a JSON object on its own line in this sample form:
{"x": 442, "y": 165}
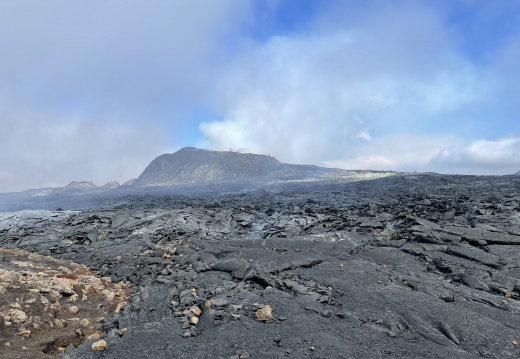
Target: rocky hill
{"x": 197, "y": 166}
{"x": 192, "y": 171}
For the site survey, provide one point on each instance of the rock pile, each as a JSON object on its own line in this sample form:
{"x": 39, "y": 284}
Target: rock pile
{"x": 47, "y": 304}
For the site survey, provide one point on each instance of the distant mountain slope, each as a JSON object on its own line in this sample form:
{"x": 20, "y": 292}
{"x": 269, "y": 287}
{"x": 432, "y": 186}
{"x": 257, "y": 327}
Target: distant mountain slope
{"x": 191, "y": 171}
{"x": 517, "y": 174}
{"x": 54, "y": 197}
{"x": 75, "y": 187}
{"x": 192, "y": 165}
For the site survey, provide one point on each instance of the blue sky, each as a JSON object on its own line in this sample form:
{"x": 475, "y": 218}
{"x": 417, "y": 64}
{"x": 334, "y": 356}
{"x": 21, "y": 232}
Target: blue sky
{"x": 95, "y": 91}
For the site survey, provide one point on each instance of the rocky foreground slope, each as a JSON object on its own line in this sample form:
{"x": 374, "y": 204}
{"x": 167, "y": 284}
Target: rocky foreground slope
{"x": 48, "y": 304}
{"x": 408, "y": 266}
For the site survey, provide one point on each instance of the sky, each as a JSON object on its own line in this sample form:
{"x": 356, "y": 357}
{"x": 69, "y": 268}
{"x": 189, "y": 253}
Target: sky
{"x": 94, "y": 91}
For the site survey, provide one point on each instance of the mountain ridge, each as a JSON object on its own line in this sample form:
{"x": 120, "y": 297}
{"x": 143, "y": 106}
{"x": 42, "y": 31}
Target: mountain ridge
{"x": 192, "y": 165}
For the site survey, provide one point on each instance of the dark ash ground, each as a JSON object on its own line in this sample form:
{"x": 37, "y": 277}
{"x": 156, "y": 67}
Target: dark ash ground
{"x": 408, "y": 266}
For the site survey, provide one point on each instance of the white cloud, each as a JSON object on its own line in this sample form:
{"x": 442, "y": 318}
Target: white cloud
{"x": 382, "y": 101}
{"x": 364, "y": 135}
{"x": 376, "y": 162}
{"x": 501, "y": 157}
{"x": 94, "y": 91}
{"x": 105, "y": 54}
{"x": 50, "y": 149}
{"x": 401, "y": 152}
{"x": 326, "y": 94}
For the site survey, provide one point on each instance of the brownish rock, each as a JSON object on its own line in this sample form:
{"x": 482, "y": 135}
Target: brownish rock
{"x": 73, "y": 309}
{"x": 264, "y": 314}
{"x": 196, "y": 310}
{"x": 94, "y": 336}
{"x": 118, "y": 307}
{"x": 15, "y": 315}
{"x": 25, "y": 333}
{"x": 99, "y": 345}
{"x": 35, "y": 304}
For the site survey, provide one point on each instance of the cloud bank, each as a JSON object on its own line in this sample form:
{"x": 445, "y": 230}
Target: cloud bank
{"x": 343, "y": 94}
{"x": 482, "y": 157}
{"x": 383, "y": 86}
{"x": 96, "y": 91}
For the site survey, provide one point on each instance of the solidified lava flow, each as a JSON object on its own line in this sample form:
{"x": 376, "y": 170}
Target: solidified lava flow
{"x": 404, "y": 266}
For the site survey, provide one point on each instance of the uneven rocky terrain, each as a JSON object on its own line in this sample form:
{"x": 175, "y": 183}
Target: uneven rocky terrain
{"x": 406, "y": 266}
{"x": 48, "y": 304}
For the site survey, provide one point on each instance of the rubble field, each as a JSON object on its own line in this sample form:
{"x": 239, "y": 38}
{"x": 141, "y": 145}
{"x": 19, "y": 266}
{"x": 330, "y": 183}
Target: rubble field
{"x": 405, "y": 266}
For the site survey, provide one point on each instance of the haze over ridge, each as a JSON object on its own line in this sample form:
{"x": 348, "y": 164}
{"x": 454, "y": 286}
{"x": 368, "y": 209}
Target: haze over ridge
{"x": 94, "y": 92}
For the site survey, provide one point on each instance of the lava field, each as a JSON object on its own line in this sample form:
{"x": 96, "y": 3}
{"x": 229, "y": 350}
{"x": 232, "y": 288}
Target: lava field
{"x": 406, "y": 266}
